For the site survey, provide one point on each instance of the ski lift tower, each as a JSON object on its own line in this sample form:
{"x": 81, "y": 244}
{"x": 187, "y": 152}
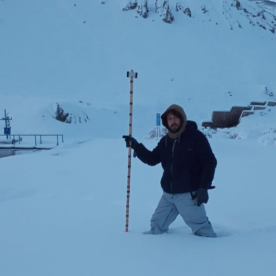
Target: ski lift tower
{"x": 7, "y": 128}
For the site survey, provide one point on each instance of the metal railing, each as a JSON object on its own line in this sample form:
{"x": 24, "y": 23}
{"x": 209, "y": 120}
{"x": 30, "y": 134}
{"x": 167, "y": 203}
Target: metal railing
{"x": 17, "y": 138}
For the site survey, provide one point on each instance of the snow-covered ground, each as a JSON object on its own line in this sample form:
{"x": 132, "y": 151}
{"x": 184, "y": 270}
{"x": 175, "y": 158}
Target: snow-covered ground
{"x": 62, "y": 211}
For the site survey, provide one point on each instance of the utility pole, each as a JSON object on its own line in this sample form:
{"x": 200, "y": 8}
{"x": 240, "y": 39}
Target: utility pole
{"x": 7, "y": 128}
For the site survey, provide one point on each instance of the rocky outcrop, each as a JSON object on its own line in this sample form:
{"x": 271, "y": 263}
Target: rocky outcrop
{"x": 142, "y": 9}
{"x": 62, "y": 116}
{"x": 74, "y": 113}
{"x": 131, "y": 5}
{"x": 236, "y": 13}
{"x": 165, "y": 12}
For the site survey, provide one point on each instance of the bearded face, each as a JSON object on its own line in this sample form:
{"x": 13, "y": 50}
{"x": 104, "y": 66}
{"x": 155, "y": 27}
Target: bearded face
{"x": 174, "y": 122}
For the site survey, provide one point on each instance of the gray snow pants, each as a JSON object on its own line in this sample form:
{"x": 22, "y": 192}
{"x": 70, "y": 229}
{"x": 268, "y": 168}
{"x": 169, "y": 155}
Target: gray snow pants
{"x": 171, "y": 205}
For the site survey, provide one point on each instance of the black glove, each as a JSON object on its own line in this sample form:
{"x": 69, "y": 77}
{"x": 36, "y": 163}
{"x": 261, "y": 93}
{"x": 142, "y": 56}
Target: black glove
{"x": 131, "y": 142}
{"x": 201, "y": 196}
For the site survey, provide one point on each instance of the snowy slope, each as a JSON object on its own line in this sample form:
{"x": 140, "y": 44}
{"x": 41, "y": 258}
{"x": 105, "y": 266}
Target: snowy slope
{"x": 66, "y": 52}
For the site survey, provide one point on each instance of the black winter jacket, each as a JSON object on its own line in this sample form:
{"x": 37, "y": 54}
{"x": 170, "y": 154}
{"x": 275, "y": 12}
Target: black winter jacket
{"x": 188, "y": 162}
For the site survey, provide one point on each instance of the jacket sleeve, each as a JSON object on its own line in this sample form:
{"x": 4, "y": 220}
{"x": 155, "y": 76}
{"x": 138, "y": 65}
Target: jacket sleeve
{"x": 151, "y": 158}
{"x": 207, "y": 159}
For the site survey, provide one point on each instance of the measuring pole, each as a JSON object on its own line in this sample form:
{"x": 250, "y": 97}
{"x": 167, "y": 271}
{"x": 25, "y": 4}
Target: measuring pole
{"x": 130, "y": 75}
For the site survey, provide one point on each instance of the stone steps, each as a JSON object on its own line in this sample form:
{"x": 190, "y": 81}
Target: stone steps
{"x": 226, "y": 119}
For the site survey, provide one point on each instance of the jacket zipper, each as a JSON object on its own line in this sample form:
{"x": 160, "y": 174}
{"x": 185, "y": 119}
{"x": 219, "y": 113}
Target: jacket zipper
{"x": 172, "y": 162}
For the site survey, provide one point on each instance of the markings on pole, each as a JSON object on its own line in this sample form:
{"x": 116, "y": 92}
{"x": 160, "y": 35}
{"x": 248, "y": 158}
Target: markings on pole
{"x": 130, "y": 74}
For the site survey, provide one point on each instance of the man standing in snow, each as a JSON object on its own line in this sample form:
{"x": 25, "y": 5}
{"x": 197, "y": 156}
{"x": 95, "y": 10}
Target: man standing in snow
{"x": 189, "y": 167}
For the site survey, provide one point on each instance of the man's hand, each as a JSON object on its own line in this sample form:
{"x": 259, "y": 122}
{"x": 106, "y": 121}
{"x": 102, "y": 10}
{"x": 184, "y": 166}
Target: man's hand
{"x": 131, "y": 142}
{"x": 202, "y": 196}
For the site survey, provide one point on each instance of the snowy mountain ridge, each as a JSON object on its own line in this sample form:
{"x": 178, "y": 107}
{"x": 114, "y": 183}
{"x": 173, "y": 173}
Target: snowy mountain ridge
{"x": 232, "y": 12}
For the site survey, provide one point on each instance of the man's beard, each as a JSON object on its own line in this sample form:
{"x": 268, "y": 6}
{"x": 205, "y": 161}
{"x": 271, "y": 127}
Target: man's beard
{"x": 175, "y": 130}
